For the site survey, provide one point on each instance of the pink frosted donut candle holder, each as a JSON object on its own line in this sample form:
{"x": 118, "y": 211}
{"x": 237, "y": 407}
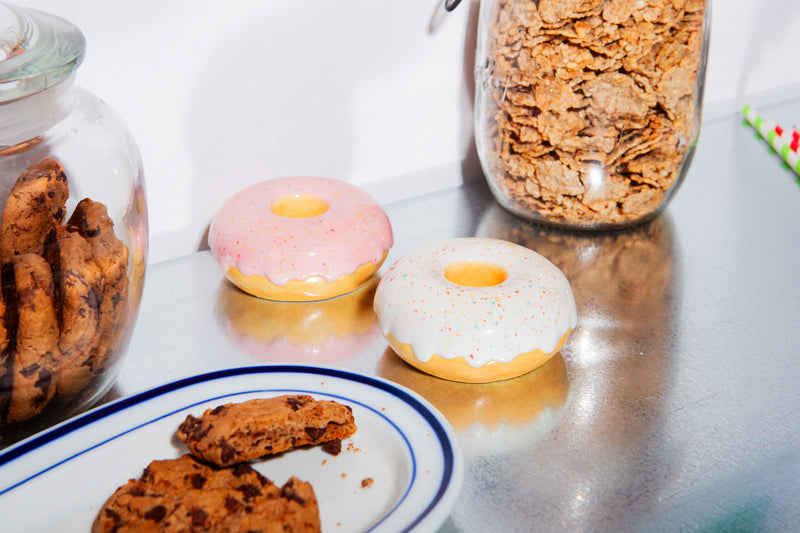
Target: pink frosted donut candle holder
{"x": 300, "y": 238}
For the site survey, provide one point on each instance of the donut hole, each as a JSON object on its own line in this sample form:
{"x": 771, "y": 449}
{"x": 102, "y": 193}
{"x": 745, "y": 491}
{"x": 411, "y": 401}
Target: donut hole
{"x": 475, "y": 274}
{"x": 299, "y": 206}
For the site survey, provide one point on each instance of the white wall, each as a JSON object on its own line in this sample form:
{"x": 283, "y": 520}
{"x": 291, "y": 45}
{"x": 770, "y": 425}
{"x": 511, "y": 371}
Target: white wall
{"x": 220, "y": 95}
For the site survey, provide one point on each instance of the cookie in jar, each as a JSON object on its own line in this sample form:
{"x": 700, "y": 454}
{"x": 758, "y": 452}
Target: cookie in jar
{"x": 73, "y": 228}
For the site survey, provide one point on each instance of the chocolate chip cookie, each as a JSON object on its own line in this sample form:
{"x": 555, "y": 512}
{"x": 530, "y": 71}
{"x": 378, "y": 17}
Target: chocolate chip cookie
{"x": 64, "y": 295}
{"x": 36, "y": 355}
{"x": 78, "y": 286}
{"x": 35, "y": 207}
{"x": 234, "y": 433}
{"x": 90, "y": 220}
{"x": 185, "y": 494}
{"x": 6, "y": 356}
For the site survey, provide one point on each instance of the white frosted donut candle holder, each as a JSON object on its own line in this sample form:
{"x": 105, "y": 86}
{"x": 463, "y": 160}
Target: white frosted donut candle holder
{"x": 300, "y": 239}
{"x": 475, "y": 309}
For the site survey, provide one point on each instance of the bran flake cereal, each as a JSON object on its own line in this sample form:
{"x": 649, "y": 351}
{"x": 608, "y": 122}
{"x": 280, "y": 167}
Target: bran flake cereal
{"x": 588, "y": 109}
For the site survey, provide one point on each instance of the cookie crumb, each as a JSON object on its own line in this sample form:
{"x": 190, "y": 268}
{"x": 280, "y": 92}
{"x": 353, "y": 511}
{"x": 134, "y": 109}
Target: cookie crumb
{"x": 366, "y": 482}
{"x": 333, "y": 447}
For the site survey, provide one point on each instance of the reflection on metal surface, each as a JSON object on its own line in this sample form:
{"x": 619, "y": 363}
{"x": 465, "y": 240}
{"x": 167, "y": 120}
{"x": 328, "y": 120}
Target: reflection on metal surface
{"x": 681, "y": 409}
{"x": 621, "y": 280}
{"x": 321, "y": 332}
{"x": 601, "y": 455}
{"x": 490, "y": 417}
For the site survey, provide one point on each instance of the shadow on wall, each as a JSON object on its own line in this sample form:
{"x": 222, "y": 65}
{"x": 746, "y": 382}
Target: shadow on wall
{"x": 287, "y": 94}
{"x": 767, "y": 33}
{"x": 470, "y": 164}
{"x": 266, "y": 73}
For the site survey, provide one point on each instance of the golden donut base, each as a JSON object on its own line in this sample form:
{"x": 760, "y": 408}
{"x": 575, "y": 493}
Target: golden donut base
{"x": 302, "y": 324}
{"x": 519, "y": 401}
{"x": 458, "y": 369}
{"x": 307, "y": 290}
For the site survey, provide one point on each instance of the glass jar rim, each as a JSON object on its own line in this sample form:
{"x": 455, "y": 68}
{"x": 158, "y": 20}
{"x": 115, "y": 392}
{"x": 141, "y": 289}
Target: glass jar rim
{"x": 37, "y": 50}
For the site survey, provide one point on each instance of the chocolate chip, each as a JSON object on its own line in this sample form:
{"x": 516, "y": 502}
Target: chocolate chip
{"x": 227, "y": 452}
{"x": 156, "y": 514}
{"x": 94, "y": 298}
{"x": 295, "y": 403}
{"x": 44, "y": 379}
{"x": 79, "y": 222}
{"x": 112, "y": 514}
{"x": 264, "y": 480}
{"x": 289, "y": 493}
{"x": 232, "y": 505}
{"x": 244, "y": 469}
{"x": 198, "y": 516}
{"x": 116, "y": 298}
{"x": 193, "y": 428}
{"x": 316, "y": 433}
{"x": 197, "y": 480}
{"x": 189, "y": 425}
{"x": 30, "y": 370}
{"x": 249, "y": 491}
{"x": 333, "y": 447}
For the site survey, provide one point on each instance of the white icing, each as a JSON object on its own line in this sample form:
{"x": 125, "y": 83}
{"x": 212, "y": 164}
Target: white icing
{"x": 532, "y": 309}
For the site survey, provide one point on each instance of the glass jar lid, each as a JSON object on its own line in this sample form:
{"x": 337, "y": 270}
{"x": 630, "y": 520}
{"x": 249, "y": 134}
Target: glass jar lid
{"x": 37, "y": 51}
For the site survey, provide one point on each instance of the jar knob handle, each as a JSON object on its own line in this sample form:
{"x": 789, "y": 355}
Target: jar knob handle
{"x": 450, "y": 5}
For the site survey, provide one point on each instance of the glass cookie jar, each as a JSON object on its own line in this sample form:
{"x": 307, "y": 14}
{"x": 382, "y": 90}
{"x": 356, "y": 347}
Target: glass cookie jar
{"x": 73, "y": 228}
{"x": 587, "y": 112}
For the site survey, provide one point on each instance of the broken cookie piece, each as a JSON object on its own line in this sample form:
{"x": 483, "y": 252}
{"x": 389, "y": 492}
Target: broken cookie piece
{"x": 185, "y": 494}
{"x": 235, "y": 433}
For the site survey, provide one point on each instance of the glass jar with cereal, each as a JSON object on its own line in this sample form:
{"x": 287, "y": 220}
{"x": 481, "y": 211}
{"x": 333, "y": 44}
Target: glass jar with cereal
{"x": 587, "y": 112}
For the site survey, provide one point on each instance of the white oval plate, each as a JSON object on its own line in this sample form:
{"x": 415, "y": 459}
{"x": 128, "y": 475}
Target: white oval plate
{"x": 58, "y": 479}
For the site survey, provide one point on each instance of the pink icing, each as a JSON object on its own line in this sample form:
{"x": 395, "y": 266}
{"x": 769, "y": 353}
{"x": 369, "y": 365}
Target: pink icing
{"x": 247, "y": 235}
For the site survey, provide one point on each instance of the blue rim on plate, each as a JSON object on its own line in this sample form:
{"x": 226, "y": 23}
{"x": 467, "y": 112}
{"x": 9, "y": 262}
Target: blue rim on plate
{"x": 452, "y": 468}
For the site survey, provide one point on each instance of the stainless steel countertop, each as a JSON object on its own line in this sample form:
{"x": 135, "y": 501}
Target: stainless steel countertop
{"x": 673, "y": 406}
